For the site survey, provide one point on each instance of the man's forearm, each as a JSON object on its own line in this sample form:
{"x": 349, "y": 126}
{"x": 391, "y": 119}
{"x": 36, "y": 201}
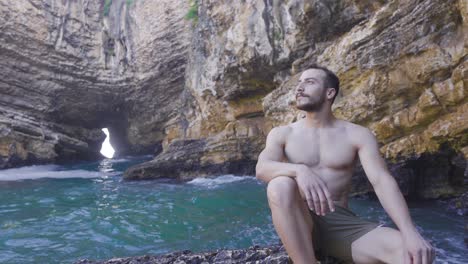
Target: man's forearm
{"x": 267, "y": 170}
{"x": 394, "y": 203}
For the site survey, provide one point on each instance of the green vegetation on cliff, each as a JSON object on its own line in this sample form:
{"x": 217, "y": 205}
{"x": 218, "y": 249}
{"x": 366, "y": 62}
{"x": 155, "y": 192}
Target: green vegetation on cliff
{"x": 193, "y": 11}
{"x": 107, "y": 5}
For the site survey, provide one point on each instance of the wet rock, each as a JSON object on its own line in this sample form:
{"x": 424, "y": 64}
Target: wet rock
{"x": 459, "y": 205}
{"x": 189, "y": 159}
{"x": 275, "y": 254}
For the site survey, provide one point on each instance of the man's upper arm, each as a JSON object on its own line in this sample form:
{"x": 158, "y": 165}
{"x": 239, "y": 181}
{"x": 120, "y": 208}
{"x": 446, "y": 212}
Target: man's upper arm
{"x": 274, "y": 148}
{"x": 371, "y": 160}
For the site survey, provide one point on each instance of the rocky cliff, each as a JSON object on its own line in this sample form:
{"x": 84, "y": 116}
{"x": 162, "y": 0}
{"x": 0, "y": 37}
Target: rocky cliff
{"x": 70, "y": 68}
{"x": 200, "y": 83}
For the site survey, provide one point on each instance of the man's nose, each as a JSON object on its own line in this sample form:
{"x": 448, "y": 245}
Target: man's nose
{"x": 300, "y": 88}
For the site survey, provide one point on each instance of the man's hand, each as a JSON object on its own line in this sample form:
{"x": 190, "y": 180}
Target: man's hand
{"x": 418, "y": 251}
{"x": 315, "y": 191}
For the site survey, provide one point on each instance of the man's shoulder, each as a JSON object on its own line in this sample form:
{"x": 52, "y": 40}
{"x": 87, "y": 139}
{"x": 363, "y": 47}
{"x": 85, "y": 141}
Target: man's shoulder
{"x": 280, "y": 131}
{"x": 353, "y": 127}
{"x": 357, "y": 132}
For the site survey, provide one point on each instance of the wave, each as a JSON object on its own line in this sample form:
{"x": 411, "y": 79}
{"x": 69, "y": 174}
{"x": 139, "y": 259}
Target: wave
{"x": 46, "y": 171}
{"x": 214, "y": 182}
{"x": 118, "y": 160}
{"x": 127, "y": 158}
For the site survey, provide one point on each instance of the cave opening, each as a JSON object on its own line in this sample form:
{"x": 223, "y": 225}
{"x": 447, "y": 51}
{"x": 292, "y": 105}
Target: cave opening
{"x": 106, "y": 149}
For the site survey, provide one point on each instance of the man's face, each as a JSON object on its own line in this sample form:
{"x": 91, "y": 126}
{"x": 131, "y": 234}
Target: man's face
{"x": 310, "y": 90}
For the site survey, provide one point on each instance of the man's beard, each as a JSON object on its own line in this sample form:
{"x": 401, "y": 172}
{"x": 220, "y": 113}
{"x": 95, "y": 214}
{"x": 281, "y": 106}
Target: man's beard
{"x": 312, "y": 106}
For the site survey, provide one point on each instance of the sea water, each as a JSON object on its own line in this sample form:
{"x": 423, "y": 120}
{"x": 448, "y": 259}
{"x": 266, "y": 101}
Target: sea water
{"x": 59, "y": 214}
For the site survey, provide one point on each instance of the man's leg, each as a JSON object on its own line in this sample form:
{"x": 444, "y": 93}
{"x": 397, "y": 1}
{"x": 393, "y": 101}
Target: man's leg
{"x": 381, "y": 245}
{"x": 291, "y": 219}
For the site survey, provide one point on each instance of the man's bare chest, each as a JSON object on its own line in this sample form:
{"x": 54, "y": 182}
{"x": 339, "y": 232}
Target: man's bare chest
{"x": 320, "y": 149}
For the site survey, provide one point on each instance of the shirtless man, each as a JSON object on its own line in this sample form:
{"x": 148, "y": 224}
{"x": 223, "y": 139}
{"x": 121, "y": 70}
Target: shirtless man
{"x": 308, "y": 166}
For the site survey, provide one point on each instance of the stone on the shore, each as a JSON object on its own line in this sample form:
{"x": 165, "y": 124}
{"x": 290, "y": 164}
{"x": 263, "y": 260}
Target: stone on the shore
{"x": 274, "y": 254}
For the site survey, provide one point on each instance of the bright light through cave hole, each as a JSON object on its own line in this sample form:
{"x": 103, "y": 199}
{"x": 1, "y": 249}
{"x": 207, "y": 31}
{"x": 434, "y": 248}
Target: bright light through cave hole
{"x": 107, "y": 150}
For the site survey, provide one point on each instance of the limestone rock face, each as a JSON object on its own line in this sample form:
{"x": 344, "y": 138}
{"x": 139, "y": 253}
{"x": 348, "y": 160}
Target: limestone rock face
{"x": 70, "y": 68}
{"x": 402, "y": 65}
{"x": 201, "y": 94}
{"x": 51, "y": 96}
{"x": 236, "y": 59}
{"x": 403, "y": 74}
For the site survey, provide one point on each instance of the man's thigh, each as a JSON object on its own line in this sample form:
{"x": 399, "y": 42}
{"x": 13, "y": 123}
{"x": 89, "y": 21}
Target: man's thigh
{"x": 381, "y": 245}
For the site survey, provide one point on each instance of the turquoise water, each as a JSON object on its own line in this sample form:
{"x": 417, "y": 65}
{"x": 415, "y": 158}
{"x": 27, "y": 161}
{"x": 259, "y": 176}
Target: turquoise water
{"x": 59, "y": 214}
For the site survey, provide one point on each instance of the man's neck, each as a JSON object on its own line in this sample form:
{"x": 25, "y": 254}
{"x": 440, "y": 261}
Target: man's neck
{"x": 319, "y": 119}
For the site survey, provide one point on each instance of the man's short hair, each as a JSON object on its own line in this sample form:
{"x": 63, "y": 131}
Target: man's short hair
{"x": 331, "y": 80}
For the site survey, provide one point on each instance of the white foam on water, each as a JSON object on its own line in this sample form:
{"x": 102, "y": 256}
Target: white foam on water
{"x": 46, "y": 171}
{"x": 214, "y": 182}
{"x": 118, "y": 160}
{"x": 126, "y": 158}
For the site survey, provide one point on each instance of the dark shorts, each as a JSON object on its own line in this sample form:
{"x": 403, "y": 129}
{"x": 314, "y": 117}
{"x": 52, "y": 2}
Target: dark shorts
{"x": 334, "y": 233}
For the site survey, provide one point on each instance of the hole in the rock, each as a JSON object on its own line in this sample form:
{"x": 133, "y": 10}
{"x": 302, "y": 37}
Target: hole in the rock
{"x": 107, "y": 150}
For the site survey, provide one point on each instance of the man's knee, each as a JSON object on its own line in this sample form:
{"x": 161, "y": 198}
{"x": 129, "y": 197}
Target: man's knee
{"x": 392, "y": 247}
{"x": 395, "y": 249}
{"x": 282, "y": 191}
{"x": 382, "y": 244}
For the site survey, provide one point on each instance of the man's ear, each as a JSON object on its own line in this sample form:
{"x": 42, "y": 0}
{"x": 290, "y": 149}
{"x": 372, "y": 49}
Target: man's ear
{"x": 331, "y": 93}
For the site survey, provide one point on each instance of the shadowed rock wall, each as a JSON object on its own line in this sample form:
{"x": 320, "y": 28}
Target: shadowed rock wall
{"x": 70, "y": 68}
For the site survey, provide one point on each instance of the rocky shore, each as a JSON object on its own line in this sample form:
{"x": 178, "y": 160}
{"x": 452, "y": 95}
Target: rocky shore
{"x": 274, "y": 254}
